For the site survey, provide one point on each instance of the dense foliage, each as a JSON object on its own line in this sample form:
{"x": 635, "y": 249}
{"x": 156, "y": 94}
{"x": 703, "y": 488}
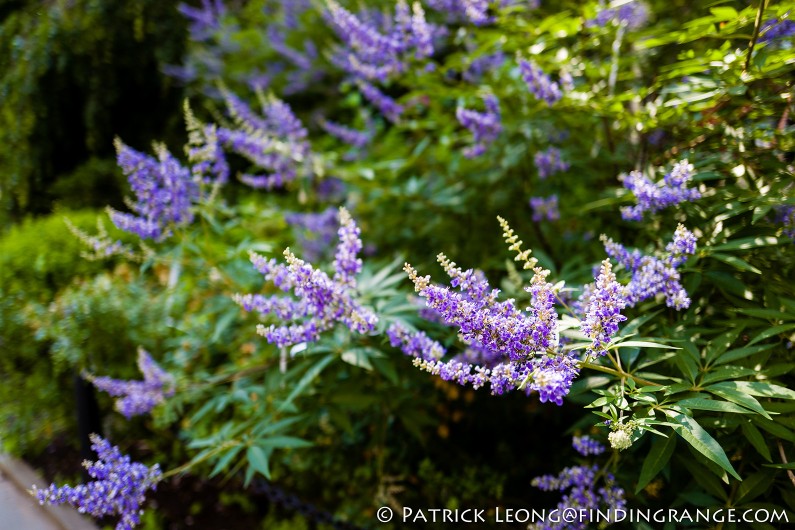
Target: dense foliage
{"x": 623, "y": 174}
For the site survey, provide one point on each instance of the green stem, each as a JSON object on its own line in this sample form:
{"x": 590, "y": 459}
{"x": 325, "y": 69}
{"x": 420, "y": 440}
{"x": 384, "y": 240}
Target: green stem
{"x": 755, "y": 36}
{"x": 181, "y": 469}
{"x": 618, "y": 373}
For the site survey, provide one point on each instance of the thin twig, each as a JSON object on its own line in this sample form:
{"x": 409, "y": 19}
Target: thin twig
{"x": 755, "y": 36}
{"x": 784, "y": 461}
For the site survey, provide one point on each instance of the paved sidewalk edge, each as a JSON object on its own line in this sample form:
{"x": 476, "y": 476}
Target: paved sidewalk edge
{"x": 24, "y": 477}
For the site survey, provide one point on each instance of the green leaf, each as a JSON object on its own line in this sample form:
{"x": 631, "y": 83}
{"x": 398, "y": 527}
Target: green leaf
{"x": 736, "y": 262}
{"x": 727, "y": 372}
{"x": 748, "y": 242}
{"x": 308, "y": 377}
{"x": 660, "y": 453}
{"x": 775, "y": 330}
{"x": 774, "y": 428}
{"x": 283, "y": 442}
{"x": 760, "y": 389}
{"x": 224, "y": 461}
{"x": 258, "y": 460}
{"x": 696, "y": 436}
{"x": 753, "y": 435}
{"x": 728, "y": 391}
{"x": 742, "y": 353}
{"x": 713, "y": 405}
{"x": 642, "y": 344}
{"x": 754, "y": 486}
{"x": 357, "y": 357}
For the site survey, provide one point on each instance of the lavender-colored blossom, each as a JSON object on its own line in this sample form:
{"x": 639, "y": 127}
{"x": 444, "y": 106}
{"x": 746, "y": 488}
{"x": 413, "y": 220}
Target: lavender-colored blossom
{"x": 164, "y": 191}
{"x": 274, "y": 141}
{"x": 485, "y": 126}
{"x": 545, "y": 208}
{"x": 539, "y": 83}
{"x": 653, "y": 197}
{"x": 586, "y": 446}
{"x": 553, "y": 376}
{"x": 682, "y": 246}
{"x": 416, "y": 344}
{"x": 205, "y": 20}
{"x": 119, "y": 489}
{"x": 138, "y": 397}
{"x": 586, "y": 489}
{"x": 584, "y": 496}
{"x": 777, "y": 28}
{"x": 321, "y": 301}
{"x": 472, "y": 11}
{"x": 652, "y": 276}
{"x": 482, "y": 65}
{"x": 352, "y": 137}
{"x": 785, "y": 216}
{"x": 387, "y": 106}
{"x": 346, "y": 263}
{"x": 633, "y": 15}
{"x": 317, "y": 231}
{"x": 603, "y": 310}
{"x": 549, "y": 162}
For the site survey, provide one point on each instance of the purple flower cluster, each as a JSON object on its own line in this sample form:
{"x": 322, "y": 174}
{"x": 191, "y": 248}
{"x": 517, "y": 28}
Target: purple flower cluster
{"x": 584, "y": 495}
{"x": 482, "y": 65}
{"x": 786, "y": 217}
{"x": 485, "y": 126}
{"x": 508, "y": 349}
{"x": 138, "y": 397}
{"x": 633, "y": 14}
{"x": 539, "y": 83}
{"x": 603, "y": 310}
{"x": 376, "y": 48}
{"x": 653, "y": 197}
{"x": 549, "y": 162}
{"x": 322, "y": 301}
{"x": 352, "y": 137}
{"x": 652, "y": 276}
{"x": 386, "y": 105}
{"x": 205, "y": 20}
{"x": 207, "y": 159}
{"x": 777, "y": 28}
{"x": 473, "y": 11}
{"x": 497, "y": 326}
{"x": 586, "y": 446}
{"x": 275, "y": 141}
{"x": 416, "y": 344}
{"x": 316, "y": 231}
{"x": 119, "y": 489}
{"x": 545, "y": 208}
{"x": 164, "y": 192}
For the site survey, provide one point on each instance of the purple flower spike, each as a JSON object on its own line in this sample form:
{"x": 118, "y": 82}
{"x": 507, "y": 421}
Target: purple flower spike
{"x": 387, "y": 106}
{"x": 539, "y": 83}
{"x": 652, "y": 276}
{"x": 321, "y": 301}
{"x": 549, "y": 162}
{"x": 164, "y": 191}
{"x": 119, "y": 489}
{"x": 633, "y": 14}
{"x": 653, "y": 197}
{"x": 138, "y": 397}
{"x": 603, "y": 311}
{"x": 585, "y": 445}
{"x": 545, "y": 208}
{"x": 485, "y": 126}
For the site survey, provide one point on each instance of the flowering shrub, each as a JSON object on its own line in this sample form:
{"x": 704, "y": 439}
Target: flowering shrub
{"x": 658, "y": 311}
